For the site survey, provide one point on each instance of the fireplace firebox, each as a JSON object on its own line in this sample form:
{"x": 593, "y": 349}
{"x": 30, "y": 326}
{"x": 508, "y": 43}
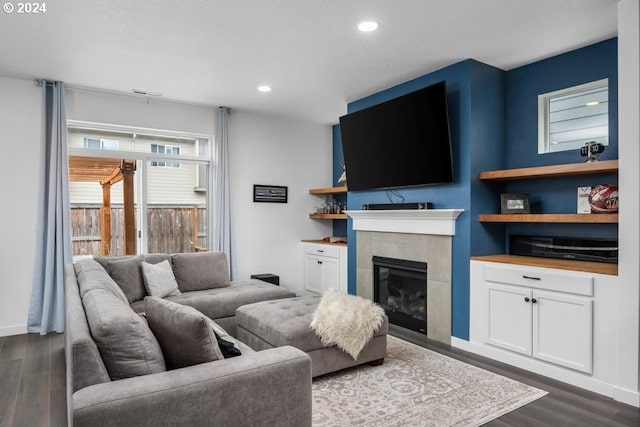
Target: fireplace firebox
{"x": 400, "y": 287}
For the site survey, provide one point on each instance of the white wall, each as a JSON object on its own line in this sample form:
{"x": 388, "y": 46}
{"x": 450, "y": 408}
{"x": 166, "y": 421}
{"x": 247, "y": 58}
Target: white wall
{"x": 628, "y": 331}
{"x": 276, "y": 151}
{"x": 21, "y": 135}
{"x": 129, "y": 110}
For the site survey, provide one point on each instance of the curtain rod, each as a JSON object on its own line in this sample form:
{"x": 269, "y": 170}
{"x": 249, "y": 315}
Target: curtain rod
{"x": 40, "y": 82}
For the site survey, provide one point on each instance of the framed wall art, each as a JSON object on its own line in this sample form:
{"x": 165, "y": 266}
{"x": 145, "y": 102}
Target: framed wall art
{"x": 270, "y": 193}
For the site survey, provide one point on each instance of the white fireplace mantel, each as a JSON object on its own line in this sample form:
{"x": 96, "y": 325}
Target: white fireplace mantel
{"x": 415, "y": 221}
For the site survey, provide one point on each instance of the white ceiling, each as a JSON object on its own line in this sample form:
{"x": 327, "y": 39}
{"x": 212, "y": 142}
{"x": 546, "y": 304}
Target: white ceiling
{"x": 217, "y": 52}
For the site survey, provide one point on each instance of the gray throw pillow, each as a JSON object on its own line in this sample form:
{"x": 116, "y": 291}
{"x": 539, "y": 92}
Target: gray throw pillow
{"x": 126, "y": 344}
{"x": 128, "y": 275}
{"x": 185, "y": 335}
{"x": 203, "y": 270}
{"x": 159, "y": 279}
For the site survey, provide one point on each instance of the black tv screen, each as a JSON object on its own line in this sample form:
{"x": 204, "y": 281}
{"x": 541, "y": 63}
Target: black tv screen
{"x": 398, "y": 143}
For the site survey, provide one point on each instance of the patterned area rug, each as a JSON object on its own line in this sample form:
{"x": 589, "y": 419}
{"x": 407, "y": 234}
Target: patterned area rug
{"x": 415, "y": 387}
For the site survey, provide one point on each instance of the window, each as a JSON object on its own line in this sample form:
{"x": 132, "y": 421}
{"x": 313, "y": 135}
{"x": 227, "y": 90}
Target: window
{"x": 570, "y": 118}
{"x": 101, "y": 144}
{"x": 171, "y": 200}
{"x": 165, "y": 149}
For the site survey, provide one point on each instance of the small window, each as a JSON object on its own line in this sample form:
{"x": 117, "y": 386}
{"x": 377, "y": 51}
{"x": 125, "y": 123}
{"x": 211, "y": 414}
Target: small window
{"x": 165, "y": 149}
{"x": 570, "y": 118}
{"x": 101, "y": 144}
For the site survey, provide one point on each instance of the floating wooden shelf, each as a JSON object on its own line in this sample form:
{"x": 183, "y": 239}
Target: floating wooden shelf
{"x": 604, "y": 166}
{"x": 563, "y": 264}
{"x": 565, "y": 218}
{"x": 328, "y": 190}
{"x": 327, "y": 216}
{"x": 322, "y": 242}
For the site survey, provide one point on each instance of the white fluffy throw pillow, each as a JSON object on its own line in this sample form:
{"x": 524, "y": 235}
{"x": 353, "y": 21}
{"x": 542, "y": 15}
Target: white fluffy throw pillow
{"x": 347, "y": 321}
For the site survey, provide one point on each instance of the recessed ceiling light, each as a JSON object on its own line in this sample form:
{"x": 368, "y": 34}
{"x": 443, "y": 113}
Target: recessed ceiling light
{"x": 592, "y": 103}
{"x": 264, "y": 88}
{"x": 368, "y": 26}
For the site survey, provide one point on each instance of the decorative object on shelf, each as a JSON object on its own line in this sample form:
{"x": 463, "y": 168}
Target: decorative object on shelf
{"x": 331, "y": 207}
{"x": 514, "y": 203}
{"x": 270, "y": 193}
{"x": 591, "y": 150}
{"x": 583, "y": 200}
{"x": 343, "y": 176}
{"x": 604, "y": 198}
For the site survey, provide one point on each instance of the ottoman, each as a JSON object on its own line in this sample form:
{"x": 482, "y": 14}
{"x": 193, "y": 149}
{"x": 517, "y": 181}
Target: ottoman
{"x": 282, "y": 322}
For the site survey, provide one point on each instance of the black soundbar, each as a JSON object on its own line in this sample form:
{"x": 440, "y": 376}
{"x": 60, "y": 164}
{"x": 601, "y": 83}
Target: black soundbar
{"x": 396, "y": 206}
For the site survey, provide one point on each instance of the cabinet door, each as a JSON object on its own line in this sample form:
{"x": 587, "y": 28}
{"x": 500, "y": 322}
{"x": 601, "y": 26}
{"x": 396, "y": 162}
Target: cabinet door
{"x": 313, "y": 273}
{"x": 510, "y": 318}
{"x": 330, "y": 274}
{"x": 563, "y": 330}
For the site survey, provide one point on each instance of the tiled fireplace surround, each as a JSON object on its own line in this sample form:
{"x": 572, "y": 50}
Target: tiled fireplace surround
{"x": 424, "y": 236}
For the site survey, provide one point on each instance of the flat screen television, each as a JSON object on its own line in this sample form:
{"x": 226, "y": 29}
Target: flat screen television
{"x": 399, "y": 143}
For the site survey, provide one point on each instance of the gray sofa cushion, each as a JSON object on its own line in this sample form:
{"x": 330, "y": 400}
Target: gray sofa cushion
{"x": 127, "y": 345}
{"x": 159, "y": 280}
{"x": 198, "y": 271}
{"x": 222, "y": 302}
{"x": 84, "y": 363}
{"x": 128, "y": 275}
{"x": 185, "y": 335}
{"x": 91, "y": 275}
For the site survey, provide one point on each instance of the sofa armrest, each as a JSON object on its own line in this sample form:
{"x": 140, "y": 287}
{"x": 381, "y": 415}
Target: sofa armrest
{"x": 270, "y": 387}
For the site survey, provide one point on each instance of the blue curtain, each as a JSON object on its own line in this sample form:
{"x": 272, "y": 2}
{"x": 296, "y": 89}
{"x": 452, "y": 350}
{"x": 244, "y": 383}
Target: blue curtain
{"x": 222, "y": 230}
{"x": 46, "y": 313}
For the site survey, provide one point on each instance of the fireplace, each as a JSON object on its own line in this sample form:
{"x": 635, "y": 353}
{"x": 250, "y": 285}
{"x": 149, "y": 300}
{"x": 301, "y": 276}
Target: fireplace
{"x": 400, "y": 287}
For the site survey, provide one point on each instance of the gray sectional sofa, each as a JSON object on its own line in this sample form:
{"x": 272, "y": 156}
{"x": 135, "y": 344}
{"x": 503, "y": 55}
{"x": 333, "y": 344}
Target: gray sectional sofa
{"x": 116, "y": 370}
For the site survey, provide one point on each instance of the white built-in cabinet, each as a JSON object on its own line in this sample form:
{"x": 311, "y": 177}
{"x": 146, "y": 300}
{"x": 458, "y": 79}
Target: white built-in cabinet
{"x": 553, "y": 321}
{"x": 324, "y": 267}
{"x": 550, "y": 326}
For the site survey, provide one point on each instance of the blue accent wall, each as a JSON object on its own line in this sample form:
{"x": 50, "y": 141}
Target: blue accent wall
{"x": 339, "y": 225}
{"x": 494, "y": 125}
{"x": 557, "y": 195}
{"x": 471, "y": 93}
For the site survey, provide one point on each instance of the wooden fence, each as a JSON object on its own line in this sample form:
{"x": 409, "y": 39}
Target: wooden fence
{"x": 171, "y": 229}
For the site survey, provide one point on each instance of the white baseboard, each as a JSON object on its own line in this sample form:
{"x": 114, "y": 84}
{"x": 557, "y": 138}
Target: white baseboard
{"x": 557, "y": 373}
{"x": 7, "y": 331}
{"x": 629, "y": 397}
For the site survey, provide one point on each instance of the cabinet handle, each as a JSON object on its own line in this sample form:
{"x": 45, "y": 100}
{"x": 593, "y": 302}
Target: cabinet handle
{"x": 319, "y": 262}
{"x": 526, "y": 299}
{"x": 321, "y": 250}
{"x": 530, "y": 277}
{"x": 533, "y": 300}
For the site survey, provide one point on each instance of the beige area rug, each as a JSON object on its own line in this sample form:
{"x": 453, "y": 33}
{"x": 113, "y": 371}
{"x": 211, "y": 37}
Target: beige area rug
{"x": 416, "y": 387}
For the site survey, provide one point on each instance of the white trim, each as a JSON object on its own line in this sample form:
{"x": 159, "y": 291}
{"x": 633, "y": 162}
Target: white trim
{"x": 554, "y": 372}
{"x": 415, "y": 221}
{"x": 6, "y": 331}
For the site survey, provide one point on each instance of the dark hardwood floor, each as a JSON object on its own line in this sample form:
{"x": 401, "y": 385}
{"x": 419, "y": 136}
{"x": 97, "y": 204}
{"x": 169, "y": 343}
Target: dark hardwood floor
{"x": 32, "y": 381}
{"x": 32, "y": 389}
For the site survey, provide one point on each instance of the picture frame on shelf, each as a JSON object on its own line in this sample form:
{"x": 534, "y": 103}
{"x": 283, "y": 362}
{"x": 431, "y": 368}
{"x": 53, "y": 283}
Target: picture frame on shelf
{"x": 515, "y": 203}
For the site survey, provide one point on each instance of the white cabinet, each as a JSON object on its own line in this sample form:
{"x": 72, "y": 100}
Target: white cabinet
{"x": 325, "y": 267}
{"x": 510, "y": 321}
{"x": 550, "y": 326}
{"x": 568, "y": 334}
{"x": 563, "y": 330}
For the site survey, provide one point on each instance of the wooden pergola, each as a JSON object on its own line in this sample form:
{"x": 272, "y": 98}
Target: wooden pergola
{"x": 108, "y": 172}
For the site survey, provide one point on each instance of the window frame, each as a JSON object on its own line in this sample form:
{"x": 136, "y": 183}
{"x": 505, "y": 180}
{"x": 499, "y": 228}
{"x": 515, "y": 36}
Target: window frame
{"x": 544, "y": 101}
{"x": 143, "y": 158}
